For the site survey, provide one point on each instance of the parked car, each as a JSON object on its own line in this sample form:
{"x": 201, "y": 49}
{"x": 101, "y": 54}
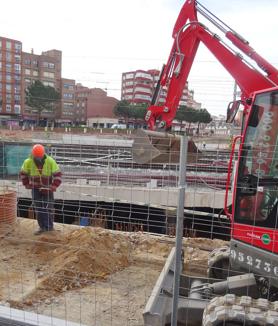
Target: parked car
{"x": 118, "y": 126}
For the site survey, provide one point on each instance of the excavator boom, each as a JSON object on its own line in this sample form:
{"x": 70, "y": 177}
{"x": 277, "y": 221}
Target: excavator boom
{"x": 187, "y": 34}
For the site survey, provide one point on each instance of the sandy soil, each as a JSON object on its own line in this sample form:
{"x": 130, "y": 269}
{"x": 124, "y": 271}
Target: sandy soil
{"x": 88, "y": 275}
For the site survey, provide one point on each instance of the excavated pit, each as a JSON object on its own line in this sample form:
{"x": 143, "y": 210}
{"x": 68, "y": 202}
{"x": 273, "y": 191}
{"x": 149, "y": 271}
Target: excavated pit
{"x": 106, "y": 270}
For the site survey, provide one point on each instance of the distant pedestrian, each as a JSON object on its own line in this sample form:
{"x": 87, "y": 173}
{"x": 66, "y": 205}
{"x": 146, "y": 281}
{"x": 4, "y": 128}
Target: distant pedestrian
{"x": 204, "y": 145}
{"x": 42, "y": 175}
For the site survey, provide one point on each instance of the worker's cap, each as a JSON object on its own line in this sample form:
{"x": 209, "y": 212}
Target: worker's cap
{"x": 38, "y": 151}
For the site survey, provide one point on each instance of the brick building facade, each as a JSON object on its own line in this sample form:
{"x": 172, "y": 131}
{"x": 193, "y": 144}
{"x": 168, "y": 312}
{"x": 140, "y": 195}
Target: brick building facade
{"x": 11, "y": 78}
{"x": 47, "y": 68}
{"x": 93, "y": 103}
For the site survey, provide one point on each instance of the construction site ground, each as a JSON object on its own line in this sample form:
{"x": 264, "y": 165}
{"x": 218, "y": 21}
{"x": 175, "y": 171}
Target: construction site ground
{"x": 87, "y": 275}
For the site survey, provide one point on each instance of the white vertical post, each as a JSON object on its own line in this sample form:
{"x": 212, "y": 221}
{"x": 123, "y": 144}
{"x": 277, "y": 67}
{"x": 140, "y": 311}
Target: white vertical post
{"x": 179, "y": 228}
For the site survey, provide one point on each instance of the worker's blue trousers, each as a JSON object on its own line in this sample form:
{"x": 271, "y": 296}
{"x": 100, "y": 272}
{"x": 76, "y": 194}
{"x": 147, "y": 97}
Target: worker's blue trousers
{"x": 44, "y": 209}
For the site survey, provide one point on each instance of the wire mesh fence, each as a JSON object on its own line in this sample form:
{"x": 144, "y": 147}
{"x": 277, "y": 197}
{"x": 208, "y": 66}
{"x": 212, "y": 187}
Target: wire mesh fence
{"x": 109, "y": 259}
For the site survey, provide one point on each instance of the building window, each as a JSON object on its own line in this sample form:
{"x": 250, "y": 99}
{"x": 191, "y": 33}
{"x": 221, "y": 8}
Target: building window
{"x": 27, "y": 80}
{"x": 8, "y": 67}
{"x": 49, "y": 65}
{"x": 8, "y": 108}
{"x": 35, "y": 63}
{"x": 0, "y": 44}
{"x": 17, "y": 67}
{"x": 17, "y": 77}
{"x": 143, "y": 75}
{"x": 8, "y": 87}
{"x": 48, "y": 74}
{"x": 17, "y": 46}
{"x": 68, "y": 105}
{"x": 129, "y": 76}
{"x": 8, "y": 56}
{"x": 17, "y": 89}
{"x": 68, "y": 95}
{"x": 8, "y": 77}
{"x": 48, "y": 83}
{"x": 17, "y": 99}
{"x": 17, "y": 58}
{"x": 35, "y": 73}
{"x": 27, "y": 61}
{"x": 8, "y": 98}
{"x": 142, "y": 97}
{"x": 8, "y": 45}
{"x": 143, "y": 90}
{"x": 69, "y": 86}
{"x": 17, "y": 109}
{"x": 27, "y": 72}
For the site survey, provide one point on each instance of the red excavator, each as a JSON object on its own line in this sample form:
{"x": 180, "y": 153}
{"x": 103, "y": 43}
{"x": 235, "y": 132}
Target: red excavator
{"x": 242, "y": 283}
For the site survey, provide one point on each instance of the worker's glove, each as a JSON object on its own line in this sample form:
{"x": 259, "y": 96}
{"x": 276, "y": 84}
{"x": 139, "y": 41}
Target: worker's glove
{"x": 53, "y": 188}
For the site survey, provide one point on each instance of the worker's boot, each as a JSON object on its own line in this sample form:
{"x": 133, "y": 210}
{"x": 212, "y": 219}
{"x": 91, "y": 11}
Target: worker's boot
{"x": 38, "y": 232}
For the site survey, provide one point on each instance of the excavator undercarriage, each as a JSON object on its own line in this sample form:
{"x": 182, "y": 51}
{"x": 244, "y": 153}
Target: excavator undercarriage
{"x": 235, "y": 300}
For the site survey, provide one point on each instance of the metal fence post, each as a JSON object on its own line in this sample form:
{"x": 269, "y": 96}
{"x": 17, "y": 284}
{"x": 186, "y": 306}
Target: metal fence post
{"x": 179, "y": 227}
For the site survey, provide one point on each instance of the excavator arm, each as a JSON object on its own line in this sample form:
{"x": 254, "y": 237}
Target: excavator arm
{"x": 188, "y": 32}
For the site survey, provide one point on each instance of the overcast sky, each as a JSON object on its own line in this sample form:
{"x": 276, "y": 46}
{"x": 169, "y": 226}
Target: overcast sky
{"x": 100, "y": 39}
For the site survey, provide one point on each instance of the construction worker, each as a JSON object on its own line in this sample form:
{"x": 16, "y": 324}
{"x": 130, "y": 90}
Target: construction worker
{"x": 42, "y": 174}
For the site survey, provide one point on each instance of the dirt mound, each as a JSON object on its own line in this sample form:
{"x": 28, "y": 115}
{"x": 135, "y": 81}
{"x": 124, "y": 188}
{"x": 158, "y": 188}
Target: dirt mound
{"x": 83, "y": 256}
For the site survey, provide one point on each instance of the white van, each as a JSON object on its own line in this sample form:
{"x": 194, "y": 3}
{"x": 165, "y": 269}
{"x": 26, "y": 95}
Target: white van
{"x": 118, "y": 126}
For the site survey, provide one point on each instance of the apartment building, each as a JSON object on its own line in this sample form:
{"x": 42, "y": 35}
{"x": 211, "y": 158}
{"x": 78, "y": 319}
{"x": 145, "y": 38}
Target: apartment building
{"x": 66, "y": 111}
{"x": 46, "y": 67}
{"x": 93, "y": 104}
{"x": 138, "y": 87}
{"x": 10, "y": 78}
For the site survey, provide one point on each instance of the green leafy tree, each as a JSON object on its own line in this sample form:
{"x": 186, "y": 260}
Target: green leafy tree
{"x": 122, "y": 110}
{"x": 127, "y": 111}
{"x": 188, "y": 114}
{"x": 181, "y": 115}
{"x": 41, "y": 98}
{"x": 139, "y": 111}
{"x": 204, "y": 117}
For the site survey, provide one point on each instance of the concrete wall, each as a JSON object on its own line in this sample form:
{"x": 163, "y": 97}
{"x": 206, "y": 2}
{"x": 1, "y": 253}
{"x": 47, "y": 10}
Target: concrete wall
{"x": 155, "y": 197}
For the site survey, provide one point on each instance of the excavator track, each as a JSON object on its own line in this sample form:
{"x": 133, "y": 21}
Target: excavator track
{"x": 218, "y": 263}
{"x": 233, "y": 310}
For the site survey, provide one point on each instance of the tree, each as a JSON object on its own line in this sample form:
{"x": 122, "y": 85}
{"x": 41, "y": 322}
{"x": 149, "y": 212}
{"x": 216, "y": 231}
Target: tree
{"x": 188, "y": 114}
{"x": 203, "y": 117}
{"x": 129, "y": 111}
{"x": 122, "y": 110}
{"x": 181, "y": 114}
{"x": 40, "y": 97}
{"x": 139, "y": 111}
